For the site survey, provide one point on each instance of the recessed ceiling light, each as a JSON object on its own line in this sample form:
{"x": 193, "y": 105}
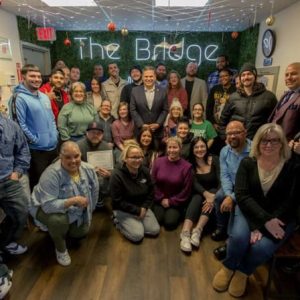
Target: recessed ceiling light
{"x": 180, "y": 3}
{"x": 55, "y": 3}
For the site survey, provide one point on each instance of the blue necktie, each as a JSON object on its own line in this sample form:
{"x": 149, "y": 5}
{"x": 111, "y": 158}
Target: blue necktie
{"x": 286, "y": 98}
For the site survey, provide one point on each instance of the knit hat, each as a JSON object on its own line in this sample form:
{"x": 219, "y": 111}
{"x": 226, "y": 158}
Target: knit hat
{"x": 248, "y": 67}
{"x": 135, "y": 67}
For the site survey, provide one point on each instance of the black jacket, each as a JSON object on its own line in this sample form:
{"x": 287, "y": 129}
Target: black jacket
{"x": 130, "y": 193}
{"x": 253, "y": 110}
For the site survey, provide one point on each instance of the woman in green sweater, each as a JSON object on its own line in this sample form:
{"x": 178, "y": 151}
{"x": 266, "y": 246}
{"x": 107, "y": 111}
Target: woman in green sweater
{"x": 75, "y": 116}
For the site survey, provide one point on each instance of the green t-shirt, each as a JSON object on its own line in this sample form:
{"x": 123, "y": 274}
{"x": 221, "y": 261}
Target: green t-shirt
{"x": 205, "y": 130}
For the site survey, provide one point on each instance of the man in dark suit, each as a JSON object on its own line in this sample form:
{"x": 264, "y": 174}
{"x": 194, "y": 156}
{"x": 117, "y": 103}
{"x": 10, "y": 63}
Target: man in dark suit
{"x": 149, "y": 105}
{"x": 287, "y": 110}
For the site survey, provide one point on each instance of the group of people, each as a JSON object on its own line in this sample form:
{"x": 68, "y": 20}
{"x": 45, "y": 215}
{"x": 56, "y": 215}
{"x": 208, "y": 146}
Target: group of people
{"x": 183, "y": 152}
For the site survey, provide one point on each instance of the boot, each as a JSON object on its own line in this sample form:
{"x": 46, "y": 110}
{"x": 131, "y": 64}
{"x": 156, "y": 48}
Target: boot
{"x": 238, "y": 284}
{"x": 222, "y": 279}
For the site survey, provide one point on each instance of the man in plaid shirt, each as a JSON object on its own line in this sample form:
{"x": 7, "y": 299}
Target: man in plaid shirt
{"x": 221, "y": 63}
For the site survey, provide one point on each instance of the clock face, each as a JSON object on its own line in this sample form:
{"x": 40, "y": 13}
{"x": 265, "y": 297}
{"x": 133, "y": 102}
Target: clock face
{"x": 268, "y": 43}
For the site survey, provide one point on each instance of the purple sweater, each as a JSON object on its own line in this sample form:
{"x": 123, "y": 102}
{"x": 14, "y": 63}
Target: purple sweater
{"x": 172, "y": 180}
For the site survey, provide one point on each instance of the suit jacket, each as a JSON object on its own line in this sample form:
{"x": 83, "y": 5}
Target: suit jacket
{"x": 288, "y": 115}
{"x": 141, "y": 113}
{"x": 199, "y": 92}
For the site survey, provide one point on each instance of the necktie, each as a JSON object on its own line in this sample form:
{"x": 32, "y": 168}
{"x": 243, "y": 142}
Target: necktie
{"x": 286, "y": 98}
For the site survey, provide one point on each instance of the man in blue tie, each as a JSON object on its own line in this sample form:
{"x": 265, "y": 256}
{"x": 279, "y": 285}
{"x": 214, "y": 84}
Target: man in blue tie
{"x": 287, "y": 111}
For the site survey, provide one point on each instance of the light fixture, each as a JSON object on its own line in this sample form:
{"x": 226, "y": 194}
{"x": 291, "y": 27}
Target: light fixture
{"x": 70, "y": 3}
{"x": 180, "y": 3}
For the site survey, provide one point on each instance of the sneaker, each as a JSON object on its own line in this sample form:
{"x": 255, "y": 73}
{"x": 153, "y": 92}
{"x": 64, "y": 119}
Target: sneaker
{"x": 10, "y": 274}
{"x": 63, "y": 258}
{"x": 5, "y": 286}
{"x": 185, "y": 243}
{"x": 15, "y": 249}
{"x": 195, "y": 237}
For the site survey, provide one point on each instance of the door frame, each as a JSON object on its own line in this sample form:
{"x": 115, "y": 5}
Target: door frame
{"x": 44, "y": 50}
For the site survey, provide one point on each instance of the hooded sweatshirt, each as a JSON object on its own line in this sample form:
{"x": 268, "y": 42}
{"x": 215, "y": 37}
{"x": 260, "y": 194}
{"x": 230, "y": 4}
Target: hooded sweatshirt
{"x": 36, "y": 119}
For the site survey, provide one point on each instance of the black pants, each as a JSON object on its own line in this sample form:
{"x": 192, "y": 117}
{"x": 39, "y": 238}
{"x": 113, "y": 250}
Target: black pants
{"x": 168, "y": 217}
{"x": 40, "y": 160}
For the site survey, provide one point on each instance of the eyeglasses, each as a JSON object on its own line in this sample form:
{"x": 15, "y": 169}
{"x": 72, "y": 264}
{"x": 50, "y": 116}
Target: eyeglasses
{"x": 273, "y": 142}
{"x": 135, "y": 157}
{"x": 234, "y": 133}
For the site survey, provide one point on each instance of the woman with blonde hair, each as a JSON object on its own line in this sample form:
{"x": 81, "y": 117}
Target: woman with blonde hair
{"x": 175, "y": 113}
{"x": 74, "y": 117}
{"x": 132, "y": 195}
{"x": 267, "y": 191}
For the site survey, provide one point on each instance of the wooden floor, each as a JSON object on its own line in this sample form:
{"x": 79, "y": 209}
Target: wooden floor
{"x": 106, "y": 266}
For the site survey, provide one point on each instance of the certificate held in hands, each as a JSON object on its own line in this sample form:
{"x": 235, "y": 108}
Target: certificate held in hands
{"x": 101, "y": 159}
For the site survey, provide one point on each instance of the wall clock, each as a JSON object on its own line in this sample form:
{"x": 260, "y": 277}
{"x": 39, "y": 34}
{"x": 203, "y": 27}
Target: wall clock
{"x": 268, "y": 42}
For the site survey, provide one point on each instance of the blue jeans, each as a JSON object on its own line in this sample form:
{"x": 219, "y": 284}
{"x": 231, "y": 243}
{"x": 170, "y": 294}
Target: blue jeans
{"x": 246, "y": 257}
{"x": 221, "y": 218}
{"x": 13, "y": 202}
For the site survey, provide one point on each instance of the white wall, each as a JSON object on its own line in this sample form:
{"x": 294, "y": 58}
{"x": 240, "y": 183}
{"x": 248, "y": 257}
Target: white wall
{"x": 287, "y": 50}
{"x": 9, "y": 30}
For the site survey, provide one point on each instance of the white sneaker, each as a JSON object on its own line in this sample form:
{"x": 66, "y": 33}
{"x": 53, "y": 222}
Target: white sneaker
{"x": 185, "y": 243}
{"x": 15, "y": 249}
{"x": 63, "y": 258}
{"x": 5, "y": 286}
{"x": 195, "y": 237}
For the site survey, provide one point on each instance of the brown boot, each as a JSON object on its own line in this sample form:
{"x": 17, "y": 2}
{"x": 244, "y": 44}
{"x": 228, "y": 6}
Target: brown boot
{"x": 222, "y": 279}
{"x": 238, "y": 284}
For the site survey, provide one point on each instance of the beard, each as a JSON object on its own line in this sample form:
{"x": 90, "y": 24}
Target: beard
{"x": 161, "y": 77}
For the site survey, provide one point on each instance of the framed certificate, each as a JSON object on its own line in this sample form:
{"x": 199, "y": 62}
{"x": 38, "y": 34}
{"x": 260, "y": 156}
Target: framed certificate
{"x": 103, "y": 159}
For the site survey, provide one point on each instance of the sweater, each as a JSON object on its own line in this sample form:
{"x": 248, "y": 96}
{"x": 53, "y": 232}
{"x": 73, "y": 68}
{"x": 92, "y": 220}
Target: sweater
{"x": 172, "y": 180}
{"x": 280, "y": 201}
{"x": 129, "y": 193}
{"x": 74, "y": 118}
{"x": 181, "y": 95}
{"x": 122, "y": 132}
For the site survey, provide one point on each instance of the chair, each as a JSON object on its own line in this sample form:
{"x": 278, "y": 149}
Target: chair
{"x": 289, "y": 250}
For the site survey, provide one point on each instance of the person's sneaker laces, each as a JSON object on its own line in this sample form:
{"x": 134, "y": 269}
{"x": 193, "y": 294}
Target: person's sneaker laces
{"x": 185, "y": 241}
{"x": 63, "y": 258}
{"x": 15, "y": 249}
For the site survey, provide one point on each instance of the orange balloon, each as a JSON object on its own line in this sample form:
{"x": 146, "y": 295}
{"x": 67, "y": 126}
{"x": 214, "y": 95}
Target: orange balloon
{"x": 111, "y": 26}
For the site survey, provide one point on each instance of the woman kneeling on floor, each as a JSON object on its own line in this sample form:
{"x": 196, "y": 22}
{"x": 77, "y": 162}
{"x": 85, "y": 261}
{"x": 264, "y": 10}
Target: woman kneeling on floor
{"x": 132, "y": 195}
{"x": 65, "y": 198}
{"x": 267, "y": 190}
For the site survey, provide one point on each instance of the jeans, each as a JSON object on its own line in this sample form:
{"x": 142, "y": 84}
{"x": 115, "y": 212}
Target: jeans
{"x": 13, "y": 203}
{"x": 221, "y": 218}
{"x": 246, "y": 257}
{"x": 134, "y": 228}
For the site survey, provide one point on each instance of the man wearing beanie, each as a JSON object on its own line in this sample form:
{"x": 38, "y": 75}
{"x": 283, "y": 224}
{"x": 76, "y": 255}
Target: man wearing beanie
{"x": 252, "y": 104}
{"x": 136, "y": 76}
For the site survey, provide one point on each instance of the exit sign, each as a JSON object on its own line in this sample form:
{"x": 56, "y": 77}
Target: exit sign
{"x": 46, "y": 34}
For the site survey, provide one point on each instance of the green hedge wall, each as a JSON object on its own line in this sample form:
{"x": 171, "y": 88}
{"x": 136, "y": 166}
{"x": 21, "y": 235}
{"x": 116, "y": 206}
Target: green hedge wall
{"x": 240, "y": 50}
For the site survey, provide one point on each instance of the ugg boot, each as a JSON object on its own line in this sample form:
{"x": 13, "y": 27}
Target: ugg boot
{"x": 222, "y": 279}
{"x": 238, "y": 284}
